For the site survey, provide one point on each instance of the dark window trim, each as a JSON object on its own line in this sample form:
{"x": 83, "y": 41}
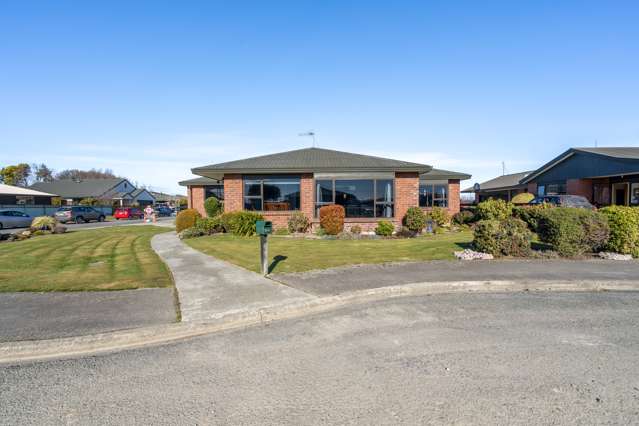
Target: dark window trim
{"x": 260, "y": 197}
{"x": 317, "y": 204}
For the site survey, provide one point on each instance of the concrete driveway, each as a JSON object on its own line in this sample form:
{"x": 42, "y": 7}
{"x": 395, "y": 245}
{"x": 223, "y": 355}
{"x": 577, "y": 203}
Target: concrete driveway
{"x": 95, "y": 225}
{"x": 516, "y": 359}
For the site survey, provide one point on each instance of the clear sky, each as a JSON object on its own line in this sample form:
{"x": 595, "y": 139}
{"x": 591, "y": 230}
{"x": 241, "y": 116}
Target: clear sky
{"x": 151, "y": 89}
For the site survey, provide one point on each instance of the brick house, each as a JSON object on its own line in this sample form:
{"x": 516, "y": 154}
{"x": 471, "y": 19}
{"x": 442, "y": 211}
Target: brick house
{"x": 370, "y": 188}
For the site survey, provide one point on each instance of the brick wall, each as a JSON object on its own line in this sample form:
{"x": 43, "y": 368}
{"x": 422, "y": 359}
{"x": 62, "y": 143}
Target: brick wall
{"x": 580, "y": 187}
{"x": 233, "y": 200}
{"x": 196, "y": 199}
{"x": 406, "y": 194}
{"x": 454, "y": 200}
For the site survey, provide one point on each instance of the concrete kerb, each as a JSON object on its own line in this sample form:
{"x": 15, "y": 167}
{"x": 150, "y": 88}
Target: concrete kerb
{"x": 29, "y": 351}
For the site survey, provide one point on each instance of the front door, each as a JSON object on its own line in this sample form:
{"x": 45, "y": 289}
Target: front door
{"x": 620, "y": 194}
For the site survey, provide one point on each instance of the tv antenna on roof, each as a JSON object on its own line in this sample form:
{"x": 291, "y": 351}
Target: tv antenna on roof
{"x": 311, "y": 134}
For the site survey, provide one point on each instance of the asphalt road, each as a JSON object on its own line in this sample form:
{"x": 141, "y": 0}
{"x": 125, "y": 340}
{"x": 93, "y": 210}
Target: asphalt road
{"x": 93, "y": 225}
{"x": 524, "y": 358}
{"x": 49, "y": 315}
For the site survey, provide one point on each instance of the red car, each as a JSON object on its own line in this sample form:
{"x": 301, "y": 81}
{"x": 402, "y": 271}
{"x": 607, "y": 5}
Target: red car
{"x": 128, "y": 213}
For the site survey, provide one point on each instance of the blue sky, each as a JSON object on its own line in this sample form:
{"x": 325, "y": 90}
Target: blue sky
{"x": 152, "y": 89}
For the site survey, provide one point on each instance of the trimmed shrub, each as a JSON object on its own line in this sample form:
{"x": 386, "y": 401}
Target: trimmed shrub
{"x": 439, "y": 216}
{"x": 213, "y": 206}
{"x": 298, "y": 222}
{"x": 464, "y": 217}
{"x": 356, "y": 229}
{"x": 384, "y": 228}
{"x": 624, "y": 229}
{"x": 573, "y": 231}
{"x": 186, "y": 219}
{"x": 332, "y": 219}
{"x": 240, "y": 222}
{"x": 190, "y": 233}
{"x": 494, "y": 210}
{"x": 509, "y": 237}
{"x": 209, "y": 225}
{"x": 531, "y": 214}
{"x": 415, "y": 219}
{"x": 522, "y": 198}
{"x": 43, "y": 223}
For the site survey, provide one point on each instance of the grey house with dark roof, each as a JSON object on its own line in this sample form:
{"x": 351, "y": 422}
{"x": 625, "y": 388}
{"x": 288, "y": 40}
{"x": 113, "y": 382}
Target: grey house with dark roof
{"x": 502, "y": 187}
{"x": 118, "y": 191}
{"x": 370, "y": 188}
{"x": 608, "y": 175}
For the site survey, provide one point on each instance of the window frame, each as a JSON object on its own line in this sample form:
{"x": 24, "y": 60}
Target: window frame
{"x": 318, "y": 204}
{"x": 433, "y": 194}
{"x": 261, "y": 179}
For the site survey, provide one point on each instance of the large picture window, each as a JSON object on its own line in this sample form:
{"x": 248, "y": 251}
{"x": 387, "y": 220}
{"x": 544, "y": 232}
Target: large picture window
{"x": 360, "y": 197}
{"x": 433, "y": 194}
{"x": 271, "y": 193}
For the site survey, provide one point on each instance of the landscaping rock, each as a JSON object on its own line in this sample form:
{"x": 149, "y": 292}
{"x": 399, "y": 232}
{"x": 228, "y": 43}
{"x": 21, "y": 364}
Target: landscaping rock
{"x": 468, "y": 254}
{"x": 614, "y": 256}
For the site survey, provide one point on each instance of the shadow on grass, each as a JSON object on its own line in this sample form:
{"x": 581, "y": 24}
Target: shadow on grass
{"x": 466, "y": 245}
{"x": 276, "y": 260}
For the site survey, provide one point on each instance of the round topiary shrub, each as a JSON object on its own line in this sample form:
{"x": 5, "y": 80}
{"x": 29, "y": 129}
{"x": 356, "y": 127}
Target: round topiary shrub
{"x": 439, "y": 216}
{"x": 414, "y": 219}
{"x": 509, "y": 237}
{"x": 522, "y": 198}
{"x": 494, "y": 210}
{"x": 186, "y": 219}
{"x": 298, "y": 222}
{"x": 384, "y": 228}
{"x": 332, "y": 219}
{"x": 213, "y": 206}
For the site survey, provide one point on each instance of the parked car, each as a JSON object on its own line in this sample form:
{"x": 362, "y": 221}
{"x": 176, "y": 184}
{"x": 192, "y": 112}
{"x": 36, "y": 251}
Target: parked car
{"x": 14, "y": 219}
{"x": 564, "y": 201}
{"x": 163, "y": 211}
{"x": 128, "y": 213}
{"x": 78, "y": 214}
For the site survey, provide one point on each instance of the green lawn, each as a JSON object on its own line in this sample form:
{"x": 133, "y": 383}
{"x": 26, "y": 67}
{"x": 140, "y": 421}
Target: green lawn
{"x": 114, "y": 258}
{"x": 296, "y": 255}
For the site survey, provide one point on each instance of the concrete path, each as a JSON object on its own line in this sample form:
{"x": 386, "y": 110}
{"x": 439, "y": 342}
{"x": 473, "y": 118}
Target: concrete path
{"x": 361, "y": 277}
{"x": 29, "y": 316}
{"x": 210, "y": 288}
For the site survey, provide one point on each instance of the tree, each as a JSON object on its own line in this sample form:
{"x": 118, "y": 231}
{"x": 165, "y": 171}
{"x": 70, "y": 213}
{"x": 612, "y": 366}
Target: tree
{"x": 16, "y": 175}
{"x": 42, "y": 173}
{"x": 75, "y": 174}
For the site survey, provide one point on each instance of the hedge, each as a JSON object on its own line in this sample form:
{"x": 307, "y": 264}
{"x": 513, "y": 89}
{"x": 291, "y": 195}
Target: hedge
{"x": 494, "y": 210}
{"x": 573, "y": 231}
{"x": 624, "y": 229}
{"x": 508, "y": 237}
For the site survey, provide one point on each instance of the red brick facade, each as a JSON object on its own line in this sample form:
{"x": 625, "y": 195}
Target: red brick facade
{"x": 581, "y": 187}
{"x": 406, "y": 195}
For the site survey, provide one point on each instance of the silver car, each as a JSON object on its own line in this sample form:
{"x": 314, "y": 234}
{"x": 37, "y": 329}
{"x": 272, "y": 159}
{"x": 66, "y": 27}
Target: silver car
{"x": 14, "y": 219}
{"x": 78, "y": 214}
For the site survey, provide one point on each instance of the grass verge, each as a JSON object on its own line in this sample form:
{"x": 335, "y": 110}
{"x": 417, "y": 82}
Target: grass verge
{"x": 297, "y": 255}
{"x": 114, "y": 258}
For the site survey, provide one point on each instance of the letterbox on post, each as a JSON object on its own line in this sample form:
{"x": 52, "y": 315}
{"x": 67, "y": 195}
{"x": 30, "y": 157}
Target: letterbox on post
{"x": 263, "y": 228}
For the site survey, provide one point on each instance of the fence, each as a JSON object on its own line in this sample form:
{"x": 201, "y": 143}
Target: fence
{"x": 44, "y": 210}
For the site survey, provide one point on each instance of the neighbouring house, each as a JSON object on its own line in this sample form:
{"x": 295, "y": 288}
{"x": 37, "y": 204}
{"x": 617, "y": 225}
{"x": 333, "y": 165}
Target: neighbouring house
{"x": 603, "y": 175}
{"x": 503, "y": 187}
{"x": 16, "y": 195}
{"x": 142, "y": 197}
{"x": 115, "y": 191}
{"x": 370, "y": 188}
{"x": 172, "y": 200}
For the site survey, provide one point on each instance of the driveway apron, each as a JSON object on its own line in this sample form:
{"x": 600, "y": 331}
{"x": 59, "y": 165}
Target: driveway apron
{"x": 210, "y": 288}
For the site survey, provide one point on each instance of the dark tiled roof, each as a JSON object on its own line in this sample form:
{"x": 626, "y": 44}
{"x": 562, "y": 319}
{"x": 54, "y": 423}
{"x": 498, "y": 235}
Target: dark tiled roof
{"x": 200, "y": 181}
{"x": 311, "y": 160}
{"x": 500, "y": 182}
{"x": 73, "y": 189}
{"x": 616, "y": 152}
{"x": 443, "y": 174}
